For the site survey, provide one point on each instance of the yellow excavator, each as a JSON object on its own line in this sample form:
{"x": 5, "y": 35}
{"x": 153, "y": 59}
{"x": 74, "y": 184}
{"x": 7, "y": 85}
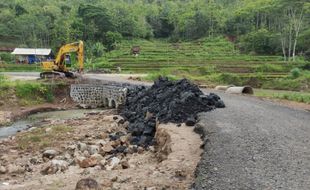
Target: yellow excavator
{"x": 60, "y": 67}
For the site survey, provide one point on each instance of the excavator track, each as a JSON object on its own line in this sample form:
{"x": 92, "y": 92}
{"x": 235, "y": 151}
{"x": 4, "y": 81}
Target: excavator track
{"x": 52, "y": 74}
{"x": 56, "y": 74}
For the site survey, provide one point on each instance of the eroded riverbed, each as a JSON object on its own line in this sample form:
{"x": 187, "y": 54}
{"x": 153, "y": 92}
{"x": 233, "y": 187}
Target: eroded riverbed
{"x": 63, "y": 151}
{"x": 36, "y": 119}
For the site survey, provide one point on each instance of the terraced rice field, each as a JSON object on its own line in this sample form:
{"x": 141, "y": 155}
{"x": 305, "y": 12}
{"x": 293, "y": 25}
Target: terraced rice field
{"x": 220, "y": 56}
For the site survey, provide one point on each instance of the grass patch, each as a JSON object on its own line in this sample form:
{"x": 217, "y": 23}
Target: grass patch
{"x": 271, "y": 68}
{"x": 303, "y": 97}
{"x": 33, "y": 92}
{"x": 38, "y": 138}
{"x": 162, "y": 73}
{"x": 20, "y": 67}
{"x": 27, "y": 92}
{"x": 298, "y": 80}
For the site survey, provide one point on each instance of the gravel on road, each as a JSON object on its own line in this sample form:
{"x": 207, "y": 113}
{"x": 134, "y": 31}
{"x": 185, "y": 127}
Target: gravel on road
{"x": 254, "y": 144}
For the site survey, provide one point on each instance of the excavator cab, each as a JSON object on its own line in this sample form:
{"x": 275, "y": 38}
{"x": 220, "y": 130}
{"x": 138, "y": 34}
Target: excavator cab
{"x": 62, "y": 66}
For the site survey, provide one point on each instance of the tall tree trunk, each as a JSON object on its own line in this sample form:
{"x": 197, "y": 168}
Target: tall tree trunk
{"x": 283, "y": 44}
{"x": 290, "y": 41}
{"x": 257, "y": 20}
{"x": 297, "y": 26}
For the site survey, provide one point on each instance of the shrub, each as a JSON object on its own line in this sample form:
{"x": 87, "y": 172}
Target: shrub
{"x": 98, "y": 49}
{"x": 206, "y": 70}
{"x": 162, "y": 73}
{"x": 111, "y": 39}
{"x": 261, "y": 42}
{"x": 33, "y": 91}
{"x": 229, "y": 78}
{"x": 269, "y": 68}
{"x": 295, "y": 73}
{"x": 6, "y": 57}
{"x": 2, "y": 78}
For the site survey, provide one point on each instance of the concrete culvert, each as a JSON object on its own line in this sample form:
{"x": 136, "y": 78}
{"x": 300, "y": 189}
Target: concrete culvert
{"x": 240, "y": 90}
{"x": 223, "y": 88}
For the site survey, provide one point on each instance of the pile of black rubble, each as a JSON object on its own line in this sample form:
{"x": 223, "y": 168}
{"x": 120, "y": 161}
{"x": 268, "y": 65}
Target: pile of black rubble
{"x": 165, "y": 101}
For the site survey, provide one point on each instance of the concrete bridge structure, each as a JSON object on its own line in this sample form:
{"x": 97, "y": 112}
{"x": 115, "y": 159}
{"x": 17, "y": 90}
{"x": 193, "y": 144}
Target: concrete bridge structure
{"x": 93, "y": 95}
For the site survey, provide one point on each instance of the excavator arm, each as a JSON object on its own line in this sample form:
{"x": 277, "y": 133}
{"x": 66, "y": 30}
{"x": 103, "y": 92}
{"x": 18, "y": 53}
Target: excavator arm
{"x": 77, "y": 47}
{"x": 58, "y": 66}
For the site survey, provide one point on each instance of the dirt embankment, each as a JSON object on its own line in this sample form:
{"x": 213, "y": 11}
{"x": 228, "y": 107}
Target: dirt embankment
{"x": 97, "y": 146}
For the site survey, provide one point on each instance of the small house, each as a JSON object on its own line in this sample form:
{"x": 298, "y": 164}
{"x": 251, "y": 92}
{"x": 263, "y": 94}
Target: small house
{"x": 30, "y": 55}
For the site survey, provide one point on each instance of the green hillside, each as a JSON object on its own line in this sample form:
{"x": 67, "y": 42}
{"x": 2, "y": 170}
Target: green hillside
{"x": 207, "y": 61}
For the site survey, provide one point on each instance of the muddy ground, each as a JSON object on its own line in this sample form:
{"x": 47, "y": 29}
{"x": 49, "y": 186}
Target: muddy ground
{"x": 59, "y": 153}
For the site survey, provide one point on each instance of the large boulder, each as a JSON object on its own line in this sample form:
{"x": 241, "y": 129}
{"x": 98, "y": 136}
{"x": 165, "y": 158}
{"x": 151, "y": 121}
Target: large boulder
{"x": 55, "y": 166}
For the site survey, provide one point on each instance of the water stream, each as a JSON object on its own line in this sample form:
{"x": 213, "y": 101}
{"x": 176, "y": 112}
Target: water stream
{"x": 38, "y": 117}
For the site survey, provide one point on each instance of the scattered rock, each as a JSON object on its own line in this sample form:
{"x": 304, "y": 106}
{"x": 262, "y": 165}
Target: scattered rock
{"x": 93, "y": 149}
{"x": 87, "y": 184}
{"x": 101, "y": 142}
{"x": 82, "y": 146}
{"x": 125, "y": 179}
{"x": 2, "y": 170}
{"x": 104, "y": 135}
{"x": 55, "y": 166}
{"x": 34, "y": 161}
{"x": 163, "y": 145}
{"x": 50, "y": 154}
{"x": 106, "y": 148}
{"x": 48, "y": 130}
{"x": 123, "y": 139}
{"x": 15, "y": 169}
{"x": 113, "y": 163}
{"x": 115, "y": 143}
{"x": 125, "y": 164}
{"x": 71, "y": 147}
{"x": 180, "y": 174}
{"x": 191, "y": 121}
{"x": 98, "y": 157}
{"x": 116, "y": 186}
{"x": 114, "y": 179}
{"x": 121, "y": 149}
{"x": 102, "y": 163}
{"x": 88, "y": 162}
{"x": 86, "y": 153}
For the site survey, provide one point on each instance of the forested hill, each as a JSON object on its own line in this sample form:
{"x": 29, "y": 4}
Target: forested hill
{"x": 259, "y": 26}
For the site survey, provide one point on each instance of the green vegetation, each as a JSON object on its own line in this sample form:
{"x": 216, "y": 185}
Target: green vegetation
{"x": 287, "y": 95}
{"x": 6, "y": 57}
{"x": 39, "y": 138}
{"x": 33, "y": 92}
{"x": 263, "y": 43}
{"x": 20, "y": 67}
{"x": 297, "y": 80}
{"x": 208, "y": 61}
{"x": 27, "y": 92}
{"x": 264, "y": 27}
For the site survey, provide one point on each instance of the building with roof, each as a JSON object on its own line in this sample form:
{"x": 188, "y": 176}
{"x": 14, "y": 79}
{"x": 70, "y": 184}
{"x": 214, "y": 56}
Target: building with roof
{"x": 31, "y": 55}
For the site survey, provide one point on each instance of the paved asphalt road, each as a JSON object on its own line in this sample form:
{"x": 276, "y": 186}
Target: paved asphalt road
{"x": 252, "y": 144}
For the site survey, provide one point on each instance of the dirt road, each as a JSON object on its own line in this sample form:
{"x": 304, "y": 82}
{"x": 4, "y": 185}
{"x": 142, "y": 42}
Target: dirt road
{"x": 253, "y": 144}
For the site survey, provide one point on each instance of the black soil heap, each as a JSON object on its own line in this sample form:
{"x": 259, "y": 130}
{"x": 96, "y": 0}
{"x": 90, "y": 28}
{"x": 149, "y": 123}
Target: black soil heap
{"x": 166, "y": 101}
